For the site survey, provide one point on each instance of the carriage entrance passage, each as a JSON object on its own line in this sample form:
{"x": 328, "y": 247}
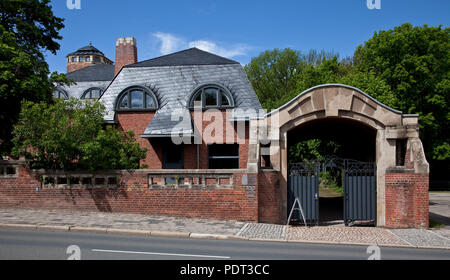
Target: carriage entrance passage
{"x": 358, "y": 183}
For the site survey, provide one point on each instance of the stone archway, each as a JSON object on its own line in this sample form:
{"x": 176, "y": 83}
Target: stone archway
{"x": 397, "y": 135}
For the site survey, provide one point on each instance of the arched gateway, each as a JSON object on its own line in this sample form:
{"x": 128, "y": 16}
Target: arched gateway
{"x": 401, "y": 168}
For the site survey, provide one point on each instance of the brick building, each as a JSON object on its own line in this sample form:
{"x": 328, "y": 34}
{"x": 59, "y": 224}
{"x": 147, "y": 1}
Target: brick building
{"x": 213, "y": 154}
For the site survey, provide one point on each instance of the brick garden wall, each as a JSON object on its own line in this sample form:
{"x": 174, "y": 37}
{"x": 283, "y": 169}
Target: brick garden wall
{"x": 269, "y": 197}
{"x": 407, "y": 200}
{"x": 134, "y": 196}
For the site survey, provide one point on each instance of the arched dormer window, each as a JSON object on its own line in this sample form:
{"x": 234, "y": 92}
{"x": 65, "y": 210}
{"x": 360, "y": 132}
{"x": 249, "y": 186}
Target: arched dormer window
{"x": 212, "y": 96}
{"x": 92, "y": 93}
{"x": 137, "y": 98}
{"x": 59, "y": 93}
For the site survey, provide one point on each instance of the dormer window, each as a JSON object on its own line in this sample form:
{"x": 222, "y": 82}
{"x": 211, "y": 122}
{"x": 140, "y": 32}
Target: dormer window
{"x": 92, "y": 93}
{"x": 137, "y": 98}
{"x": 59, "y": 93}
{"x": 212, "y": 96}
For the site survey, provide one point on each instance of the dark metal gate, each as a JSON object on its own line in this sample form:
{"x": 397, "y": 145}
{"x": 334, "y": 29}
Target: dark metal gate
{"x": 360, "y": 191}
{"x": 359, "y": 181}
{"x": 303, "y": 183}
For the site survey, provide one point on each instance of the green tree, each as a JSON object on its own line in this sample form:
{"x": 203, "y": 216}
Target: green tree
{"x": 312, "y": 150}
{"x": 343, "y": 72}
{"x": 111, "y": 149}
{"x": 415, "y": 63}
{"x": 273, "y": 75}
{"x": 68, "y": 135}
{"x": 27, "y": 29}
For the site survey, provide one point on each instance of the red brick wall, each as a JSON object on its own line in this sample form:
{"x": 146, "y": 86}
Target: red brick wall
{"x": 74, "y": 66}
{"x": 269, "y": 197}
{"x": 138, "y": 122}
{"x": 126, "y": 53}
{"x": 134, "y": 196}
{"x": 219, "y": 135}
{"x": 407, "y": 200}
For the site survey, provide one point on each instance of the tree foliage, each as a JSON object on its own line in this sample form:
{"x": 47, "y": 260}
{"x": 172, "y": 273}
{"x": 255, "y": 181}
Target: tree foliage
{"x": 415, "y": 63}
{"x": 406, "y": 68}
{"x": 68, "y": 135}
{"x": 274, "y": 74}
{"x": 312, "y": 150}
{"x": 27, "y": 29}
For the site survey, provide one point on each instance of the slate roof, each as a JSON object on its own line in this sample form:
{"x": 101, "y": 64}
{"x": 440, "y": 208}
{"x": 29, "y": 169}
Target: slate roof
{"x": 173, "y": 79}
{"x": 191, "y": 56}
{"x": 177, "y": 121}
{"x": 95, "y": 72}
{"x": 87, "y": 50}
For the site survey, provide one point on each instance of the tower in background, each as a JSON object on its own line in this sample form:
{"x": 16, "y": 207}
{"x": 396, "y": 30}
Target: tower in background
{"x": 85, "y": 57}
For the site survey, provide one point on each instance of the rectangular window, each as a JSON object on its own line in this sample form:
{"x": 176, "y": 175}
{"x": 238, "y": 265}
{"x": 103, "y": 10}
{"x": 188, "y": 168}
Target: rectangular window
{"x": 223, "y": 156}
{"x": 81, "y": 59}
{"x": 401, "y": 151}
{"x": 74, "y": 59}
{"x": 173, "y": 156}
{"x": 88, "y": 59}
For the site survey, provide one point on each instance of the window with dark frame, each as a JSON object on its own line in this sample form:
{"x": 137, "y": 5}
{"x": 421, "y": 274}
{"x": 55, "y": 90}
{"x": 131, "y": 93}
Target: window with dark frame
{"x": 223, "y": 156}
{"x": 137, "y": 99}
{"x": 92, "y": 93}
{"x": 211, "y": 96}
{"x": 60, "y": 94}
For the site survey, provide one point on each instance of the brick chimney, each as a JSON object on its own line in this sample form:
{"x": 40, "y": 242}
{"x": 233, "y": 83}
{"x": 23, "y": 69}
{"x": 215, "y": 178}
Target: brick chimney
{"x": 126, "y": 53}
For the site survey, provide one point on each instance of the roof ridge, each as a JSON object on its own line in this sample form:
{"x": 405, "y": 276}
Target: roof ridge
{"x": 140, "y": 63}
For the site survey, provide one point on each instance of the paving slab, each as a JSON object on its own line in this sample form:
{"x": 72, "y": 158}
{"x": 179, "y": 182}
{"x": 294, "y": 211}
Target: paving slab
{"x": 440, "y": 212}
{"x": 263, "y": 231}
{"x": 422, "y": 238}
{"x": 345, "y": 235}
{"x": 124, "y": 221}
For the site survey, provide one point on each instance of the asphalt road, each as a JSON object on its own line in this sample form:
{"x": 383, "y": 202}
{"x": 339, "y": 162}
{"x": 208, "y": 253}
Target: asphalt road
{"x": 41, "y": 245}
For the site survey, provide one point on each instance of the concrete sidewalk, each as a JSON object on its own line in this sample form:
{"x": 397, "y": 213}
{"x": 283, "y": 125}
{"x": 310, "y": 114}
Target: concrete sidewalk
{"x": 118, "y": 223}
{"x": 440, "y": 211}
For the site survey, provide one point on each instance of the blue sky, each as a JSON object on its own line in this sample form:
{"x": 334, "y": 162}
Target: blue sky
{"x": 239, "y": 30}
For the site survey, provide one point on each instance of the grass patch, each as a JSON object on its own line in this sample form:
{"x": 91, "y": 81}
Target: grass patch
{"x": 435, "y": 225}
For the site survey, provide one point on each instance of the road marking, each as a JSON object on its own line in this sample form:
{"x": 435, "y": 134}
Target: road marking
{"x": 159, "y": 254}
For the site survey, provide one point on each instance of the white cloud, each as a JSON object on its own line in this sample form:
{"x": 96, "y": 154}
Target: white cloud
{"x": 170, "y": 43}
{"x": 236, "y": 50}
